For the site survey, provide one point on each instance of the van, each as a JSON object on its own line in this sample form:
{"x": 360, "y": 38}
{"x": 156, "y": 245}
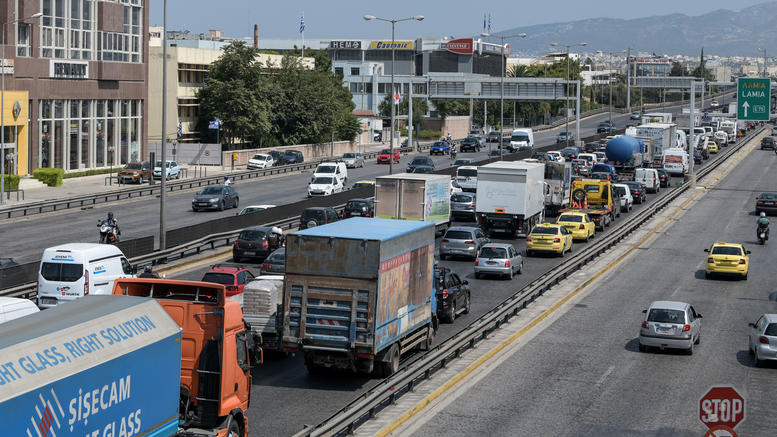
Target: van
{"x": 75, "y": 270}
{"x": 649, "y": 178}
{"x": 590, "y": 157}
{"x": 522, "y": 139}
{"x": 467, "y": 178}
{"x": 331, "y": 168}
{"x": 14, "y": 307}
{"x": 675, "y": 161}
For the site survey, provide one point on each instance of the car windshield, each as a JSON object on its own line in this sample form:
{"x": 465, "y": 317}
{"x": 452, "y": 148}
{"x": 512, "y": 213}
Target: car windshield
{"x": 662, "y": 315}
{"x": 493, "y": 252}
{"x": 133, "y": 166}
{"x": 325, "y": 169}
{"x": 251, "y": 235}
{"x": 314, "y": 214}
{"x": 219, "y": 278}
{"x": 159, "y": 164}
{"x": 260, "y": 157}
{"x": 61, "y": 272}
{"x": 571, "y": 218}
{"x": 520, "y": 137}
{"x": 420, "y": 160}
{"x": 279, "y": 256}
{"x": 440, "y": 144}
{"x": 620, "y": 191}
{"x": 461, "y": 198}
{"x": 458, "y": 235}
{"x": 357, "y": 205}
{"x": 349, "y": 155}
{"x": 462, "y": 162}
{"x": 468, "y": 172}
{"x": 545, "y": 230}
{"x": 323, "y": 180}
{"x": 211, "y": 190}
{"x": 768, "y": 196}
{"x": 726, "y": 250}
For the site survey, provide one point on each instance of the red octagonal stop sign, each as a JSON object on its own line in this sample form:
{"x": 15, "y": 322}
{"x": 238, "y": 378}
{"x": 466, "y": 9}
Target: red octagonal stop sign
{"x": 721, "y": 406}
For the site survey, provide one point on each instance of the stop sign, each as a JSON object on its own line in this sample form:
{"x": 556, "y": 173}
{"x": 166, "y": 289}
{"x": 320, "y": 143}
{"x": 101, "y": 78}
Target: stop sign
{"x": 721, "y": 406}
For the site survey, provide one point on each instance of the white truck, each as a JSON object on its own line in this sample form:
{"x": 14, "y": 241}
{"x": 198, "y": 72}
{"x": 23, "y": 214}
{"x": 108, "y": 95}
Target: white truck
{"x": 406, "y": 196}
{"x": 664, "y": 136}
{"x": 656, "y": 117}
{"x": 262, "y": 309}
{"x": 730, "y": 128}
{"x": 511, "y": 196}
{"x": 522, "y": 139}
{"x": 675, "y": 161}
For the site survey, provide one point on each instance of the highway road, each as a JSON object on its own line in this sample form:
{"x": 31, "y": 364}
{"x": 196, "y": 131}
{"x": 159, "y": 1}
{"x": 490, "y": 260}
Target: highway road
{"x": 25, "y": 239}
{"x": 290, "y": 397}
{"x": 584, "y": 375}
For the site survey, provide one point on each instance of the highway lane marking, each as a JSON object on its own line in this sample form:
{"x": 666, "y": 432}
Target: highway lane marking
{"x": 547, "y": 313}
{"x": 605, "y": 375}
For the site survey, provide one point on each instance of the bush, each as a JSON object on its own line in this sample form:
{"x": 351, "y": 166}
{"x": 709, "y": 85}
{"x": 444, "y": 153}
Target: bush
{"x": 77, "y": 174}
{"x": 11, "y": 182}
{"x": 430, "y": 134}
{"x": 49, "y": 176}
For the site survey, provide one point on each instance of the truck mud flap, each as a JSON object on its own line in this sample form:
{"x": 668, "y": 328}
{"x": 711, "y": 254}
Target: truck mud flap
{"x": 209, "y": 376}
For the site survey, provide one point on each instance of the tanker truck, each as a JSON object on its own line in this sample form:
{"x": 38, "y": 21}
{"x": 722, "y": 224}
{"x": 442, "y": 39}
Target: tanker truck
{"x": 626, "y": 154}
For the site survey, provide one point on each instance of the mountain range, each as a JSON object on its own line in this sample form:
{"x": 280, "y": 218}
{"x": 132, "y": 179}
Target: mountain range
{"x": 723, "y": 32}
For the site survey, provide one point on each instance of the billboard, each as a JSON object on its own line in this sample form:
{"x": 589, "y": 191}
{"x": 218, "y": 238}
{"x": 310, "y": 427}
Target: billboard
{"x": 388, "y": 45}
{"x": 462, "y": 46}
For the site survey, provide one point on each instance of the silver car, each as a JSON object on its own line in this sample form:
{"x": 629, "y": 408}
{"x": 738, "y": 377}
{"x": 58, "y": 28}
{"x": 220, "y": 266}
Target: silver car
{"x": 499, "y": 259}
{"x": 353, "y": 159}
{"x": 670, "y": 325}
{"x": 762, "y": 340}
{"x": 463, "y": 206}
{"x": 462, "y": 241}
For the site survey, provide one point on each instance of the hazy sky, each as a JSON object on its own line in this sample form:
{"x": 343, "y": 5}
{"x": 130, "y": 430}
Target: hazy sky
{"x": 343, "y": 18}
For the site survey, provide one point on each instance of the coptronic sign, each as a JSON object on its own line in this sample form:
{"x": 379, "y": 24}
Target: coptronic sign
{"x": 462, "y": 46}
{"x": 388, "y": 45}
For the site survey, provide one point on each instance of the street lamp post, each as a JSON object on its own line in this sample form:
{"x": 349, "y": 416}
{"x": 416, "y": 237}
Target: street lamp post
{"x": 393, "y": 91}
{"x": 502, "y": 88}
{"x": 764, "y": 52}
{"x": 628, "y": 79}
{"x": 2, "y": 105}
{"x": 566, "y": 116}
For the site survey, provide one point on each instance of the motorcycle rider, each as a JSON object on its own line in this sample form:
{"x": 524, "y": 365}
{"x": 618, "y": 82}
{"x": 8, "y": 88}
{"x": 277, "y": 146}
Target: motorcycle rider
{"x": 453, "y": 151}
{"x": 763, "y": 222}
{"x": 113, "y": 222}
{"x": 148, "y": 273}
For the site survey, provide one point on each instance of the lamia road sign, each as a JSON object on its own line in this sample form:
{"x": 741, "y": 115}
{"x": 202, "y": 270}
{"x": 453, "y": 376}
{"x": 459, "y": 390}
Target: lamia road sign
{"x": 721, "y": 407}
{"x": 753, "y": 99}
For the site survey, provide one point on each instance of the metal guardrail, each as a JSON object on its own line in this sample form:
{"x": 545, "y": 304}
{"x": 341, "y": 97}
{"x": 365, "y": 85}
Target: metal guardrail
{"x": 368, "y": 405}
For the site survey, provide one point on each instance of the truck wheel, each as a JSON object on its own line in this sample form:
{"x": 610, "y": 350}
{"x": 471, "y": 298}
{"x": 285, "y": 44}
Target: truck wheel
{"x": 391, "y": 366}
{"x": 234, "y": 429}
{"x": 427, "y": 344}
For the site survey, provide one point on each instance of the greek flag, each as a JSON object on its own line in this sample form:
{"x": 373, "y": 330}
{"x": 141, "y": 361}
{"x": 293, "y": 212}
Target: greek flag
{"x": 484, "y": 22}
{"x": 302, "y": 23}
{"x": 489, "y": 23}
{"x": 180, "y": 129}
{"x": 215, "y": 124}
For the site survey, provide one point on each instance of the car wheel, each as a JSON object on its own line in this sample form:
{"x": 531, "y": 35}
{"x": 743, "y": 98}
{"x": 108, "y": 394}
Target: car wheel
{"x": 466, "y": 305}
{"x": 689, "y": 351}
{"x": 222, "y": 205}
{"x": 698, "y": 339}
{"x": 195, "y": 209}
{"x": 450, "y": 316}
{"x": 520, "y": 268}
{"x": 235, "y": 259}
{"x": 529, "y": 253}
{"x": 744, "y": 277}
{"x": 140, "y": 181}
{"x": 757, "y": 361}
{"x": 237, "y": 200}
{"x": 562, "y": 253}
{"x": 707, "y": 275}
{"x": 477, "y": 275}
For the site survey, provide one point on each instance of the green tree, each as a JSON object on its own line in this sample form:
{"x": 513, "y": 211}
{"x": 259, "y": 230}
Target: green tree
{"x": 420, "y": 108}
{"x": 447, "y": 107}
{"x": 677, "y": 69}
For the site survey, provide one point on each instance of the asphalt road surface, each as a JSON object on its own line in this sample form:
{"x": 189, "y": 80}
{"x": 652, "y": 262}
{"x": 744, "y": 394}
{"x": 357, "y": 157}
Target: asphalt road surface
{"x": 584, "y": 375}
{"x": 25, "y": 239}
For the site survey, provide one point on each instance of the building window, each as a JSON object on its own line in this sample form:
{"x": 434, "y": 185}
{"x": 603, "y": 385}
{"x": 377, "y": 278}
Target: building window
{"x": 339, "y": 71}
{"x": 126, "y": 46}
{"x": 66, "y": 30}
{"x": 354, "y": 71}
{"x": 23, "y": 47}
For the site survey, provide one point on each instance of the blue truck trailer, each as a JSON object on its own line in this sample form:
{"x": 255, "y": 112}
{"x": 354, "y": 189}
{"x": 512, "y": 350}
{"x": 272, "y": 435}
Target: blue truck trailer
{"x": 358, "y": 293}
{"x": 107, "y": 366}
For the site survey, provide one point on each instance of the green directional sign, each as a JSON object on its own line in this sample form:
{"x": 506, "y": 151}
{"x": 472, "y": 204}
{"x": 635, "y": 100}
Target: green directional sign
{"x": 753, "y": 99}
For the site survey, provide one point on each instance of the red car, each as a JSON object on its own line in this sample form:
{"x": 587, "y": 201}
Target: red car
{"x": 384, "y": 155}
{"x": 234, "y": 278}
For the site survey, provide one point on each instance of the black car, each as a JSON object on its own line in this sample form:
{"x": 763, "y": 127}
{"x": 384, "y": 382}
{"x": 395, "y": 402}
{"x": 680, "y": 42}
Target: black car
{"x": 697, "y": 158}
{"x": 317, "y": 216}
{"x": 766, "y": 202}
{"x": 275, "y": 262}
{"x": 768, "y": 143}
{"x": 279, "y": 157}
{"x": 215, "y": 197}
{"x": 420, "y": 161}
{"x": 591, "y": 147}
{"x": 663, "y": 177}
{"x": 470, "y": 144}
{"x": 359, "y": 208}
{"x": 637, "y": 191}
{"x": 452, "y": 294}
{"x": 605, "y": 128}
{"x": 493, "y": 137}
{"x": 404, "y": 147}
{"x": 293, "y": 157}
{"x": 539, "y": 156}
{"x": 422, "y": 169}
{"x": 570, "y": 153}
{"x": 255, "y": 242}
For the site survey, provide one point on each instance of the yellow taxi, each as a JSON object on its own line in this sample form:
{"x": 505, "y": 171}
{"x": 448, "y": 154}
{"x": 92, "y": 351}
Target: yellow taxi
{"x": 578, "y": 224}
{"x": 712, "y": 146}
{"x": 549, "y": 237}
{"x": 727, "y": 259}
{"x": 360, "y": 184}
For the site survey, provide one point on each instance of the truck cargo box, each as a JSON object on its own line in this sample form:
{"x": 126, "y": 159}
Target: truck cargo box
{"x": 407, "y": 196}
{"x": 510, "y": 196}
{"x": 262, "y": 298}
{"x": 106, "y": 365}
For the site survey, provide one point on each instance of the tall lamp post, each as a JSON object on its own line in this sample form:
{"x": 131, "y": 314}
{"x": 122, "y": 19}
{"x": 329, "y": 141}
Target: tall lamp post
{"x": 393, "y": 91}
{"x": 566, "y": 116}
{"x": 628, "y": 78}
{"x": 764, "y": 52}
{"x": 2, "y": 105}
{"x": 502, "y": 87}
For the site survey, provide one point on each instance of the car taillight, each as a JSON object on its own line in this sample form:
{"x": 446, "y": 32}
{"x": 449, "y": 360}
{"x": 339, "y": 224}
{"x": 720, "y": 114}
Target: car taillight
{"x": 741, "y": 261}
{"x": 507, "y": 263}
{"x": 265, "y": 243}
{"x": 645, "y": 325}
{"x": 557, "y": 240}
{"x": 86, "y": 282}
{"x": 760, "y": 203}
{"x": 763, "y": 340}
{"x": 469, "y": 242}
{"x": 445, "y": 294}
{"x": 235, "y": 242}
{"x": 582, "y": 226}
{"x": 477, "y": 262}
{"x": 528, "y": 238}
{"x": 265, "y": 266}
{"x": 445, "y": 241}
{"x": 686, "y": 328}
{"x": 710, "y": 261}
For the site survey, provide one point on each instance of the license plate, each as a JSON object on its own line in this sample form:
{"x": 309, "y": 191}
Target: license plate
{"x": 357, "y": 213}
{"x": 490, "y": 262}
{"x": 249, "y": 252}
{"x": 48, "y": 300}
{"x": 665, "y": 330}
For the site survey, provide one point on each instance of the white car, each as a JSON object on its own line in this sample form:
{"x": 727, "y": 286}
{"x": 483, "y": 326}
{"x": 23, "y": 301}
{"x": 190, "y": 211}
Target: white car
{"x": 353, "y": 159}
{"x": 555, "y": 155}
{"x": 324, "y": 186}
{"x": 627, "y": 200}
{"x": 600, "y": 156}
{"x": 254, "y": 208}
{"x": 332, "y": 168}
{"x": 455, "y": 187}
{"x": 259, "y": 161}
{"x": 467, "y": 177}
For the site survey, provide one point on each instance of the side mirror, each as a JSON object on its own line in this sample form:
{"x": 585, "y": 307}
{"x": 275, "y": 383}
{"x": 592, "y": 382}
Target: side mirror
{"x": 644, "y": 311}
{"x": 752, "y": 325}
{"x": 465, "y": 282}
{"x": 699, "y": 316}
{"x": 748, "y": 252}
{"x": 706, "y": 250}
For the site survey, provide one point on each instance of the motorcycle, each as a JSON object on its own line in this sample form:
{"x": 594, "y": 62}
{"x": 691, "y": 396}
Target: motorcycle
{"x": 763, "y": 234}
{"x": 108, "y": 233}
{"x": 453, "y": 154}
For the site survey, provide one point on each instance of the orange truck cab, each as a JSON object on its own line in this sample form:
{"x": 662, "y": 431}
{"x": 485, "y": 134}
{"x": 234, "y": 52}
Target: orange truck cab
{"x": 217, "y": 353}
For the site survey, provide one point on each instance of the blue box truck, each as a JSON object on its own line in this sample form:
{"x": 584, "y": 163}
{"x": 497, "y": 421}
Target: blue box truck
{"x": 105, "y": 366}
{"x": 358, "y": 293}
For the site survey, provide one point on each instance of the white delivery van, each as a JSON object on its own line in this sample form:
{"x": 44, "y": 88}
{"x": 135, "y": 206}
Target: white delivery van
{"x": 74, "y": 270}
{"x": 649, "y": 178}
{"x": 675, "y": 162}
{"x": 14, "y": 307}
{"x": 522, "y": 138}
{"x": 467, "y": 178}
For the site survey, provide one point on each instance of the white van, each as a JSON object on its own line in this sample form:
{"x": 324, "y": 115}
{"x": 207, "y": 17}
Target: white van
{"x": 75, "y": 270}
{"x": 14, "y": 307}
{"x": 590, "y": 157}
{"x": 649, "y": 178}
{"x": 331, "y": 168}
{"x": 675, "y": 161}
{"x": 467, "y": 177}
{"x": 522, "y": 138}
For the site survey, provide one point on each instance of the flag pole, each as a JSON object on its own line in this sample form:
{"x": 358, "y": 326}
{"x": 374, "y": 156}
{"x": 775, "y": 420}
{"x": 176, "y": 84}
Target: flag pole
{"x": 302, "y": 29}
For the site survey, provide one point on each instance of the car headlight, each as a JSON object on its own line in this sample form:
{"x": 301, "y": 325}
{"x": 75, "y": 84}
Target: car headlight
{"x": 213, "y": 200}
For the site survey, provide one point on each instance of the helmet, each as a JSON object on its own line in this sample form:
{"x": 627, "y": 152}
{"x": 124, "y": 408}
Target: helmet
{"x": 763, "y": 214}
{"x": 110, "y": 215}
{"x": 147, "y": 269}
